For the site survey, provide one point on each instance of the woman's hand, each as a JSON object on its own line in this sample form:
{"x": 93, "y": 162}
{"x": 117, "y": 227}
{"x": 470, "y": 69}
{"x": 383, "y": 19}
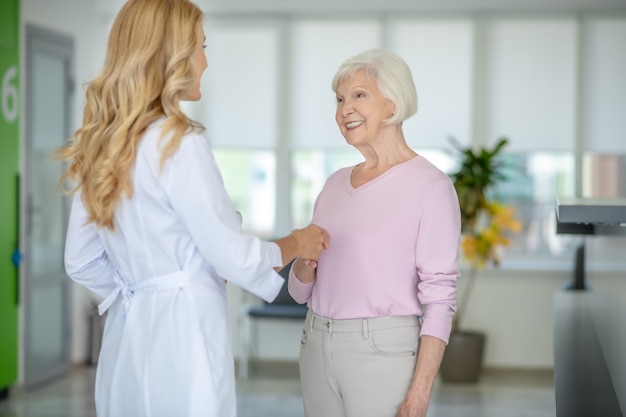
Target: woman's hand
{"x": 413, "y": 407}
{"x": 307, "y": 243}
{"x": 312, "y": 240}
{"x": 305, "y": 270}
{"x": 428, "y": 361}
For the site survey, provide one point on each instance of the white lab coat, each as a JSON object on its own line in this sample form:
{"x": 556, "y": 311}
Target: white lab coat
{"x": 166, "y": 349}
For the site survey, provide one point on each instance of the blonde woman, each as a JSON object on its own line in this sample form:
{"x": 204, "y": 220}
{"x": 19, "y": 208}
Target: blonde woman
{"x": 152, "y": 230}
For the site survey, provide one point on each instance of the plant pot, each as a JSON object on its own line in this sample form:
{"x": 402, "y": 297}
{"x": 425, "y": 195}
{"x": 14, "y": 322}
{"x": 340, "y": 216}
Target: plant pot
{"x": 463, "y": 358}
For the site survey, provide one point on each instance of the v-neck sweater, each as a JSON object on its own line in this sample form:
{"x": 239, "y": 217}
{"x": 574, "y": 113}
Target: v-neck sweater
{"x": 394, "y": 247}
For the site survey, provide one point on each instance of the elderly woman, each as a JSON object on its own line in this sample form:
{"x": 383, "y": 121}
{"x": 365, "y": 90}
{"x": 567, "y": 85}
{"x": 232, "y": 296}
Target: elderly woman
{"x": 382, "y": 297}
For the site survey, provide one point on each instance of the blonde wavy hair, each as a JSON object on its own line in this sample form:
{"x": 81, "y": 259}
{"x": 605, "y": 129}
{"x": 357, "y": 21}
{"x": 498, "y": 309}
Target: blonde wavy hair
{"x": 148, "y": 70}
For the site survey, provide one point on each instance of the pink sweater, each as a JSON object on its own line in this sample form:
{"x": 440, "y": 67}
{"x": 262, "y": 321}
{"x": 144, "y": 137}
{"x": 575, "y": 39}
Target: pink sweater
{"x": 394, "y": 245}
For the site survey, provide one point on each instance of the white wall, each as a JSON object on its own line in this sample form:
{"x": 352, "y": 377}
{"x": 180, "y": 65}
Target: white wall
{"x": 77, "y": 19}
{"x": 514, "y": 308}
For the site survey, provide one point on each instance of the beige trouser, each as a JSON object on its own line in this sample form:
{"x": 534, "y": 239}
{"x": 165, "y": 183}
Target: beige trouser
{"x": 357, "y": 368}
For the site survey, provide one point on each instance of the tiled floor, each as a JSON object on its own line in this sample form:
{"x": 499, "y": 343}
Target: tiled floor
{"x": 498, "y": 394}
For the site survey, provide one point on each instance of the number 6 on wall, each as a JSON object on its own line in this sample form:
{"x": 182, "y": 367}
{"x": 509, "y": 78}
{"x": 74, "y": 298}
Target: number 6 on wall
{"x": 9, "y": 95}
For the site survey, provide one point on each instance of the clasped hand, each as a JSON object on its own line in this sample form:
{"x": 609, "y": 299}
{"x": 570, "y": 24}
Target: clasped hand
{"x": 312, "y": 240}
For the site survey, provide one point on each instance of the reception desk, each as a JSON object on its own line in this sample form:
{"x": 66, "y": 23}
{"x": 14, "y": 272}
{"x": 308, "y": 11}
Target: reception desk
{"x": 590, "y": 326}
{"x": 589, "y": 355}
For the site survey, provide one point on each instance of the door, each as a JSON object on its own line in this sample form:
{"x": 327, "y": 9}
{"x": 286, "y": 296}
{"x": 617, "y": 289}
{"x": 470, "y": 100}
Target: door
{"x": 46, "y": 287}
{"x": 9, "y": 144}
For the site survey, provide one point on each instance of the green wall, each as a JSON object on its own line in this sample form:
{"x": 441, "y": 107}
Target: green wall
{"x": 9, "y": 151}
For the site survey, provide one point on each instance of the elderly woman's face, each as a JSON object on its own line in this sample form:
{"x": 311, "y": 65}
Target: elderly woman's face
{"x": 361, "y": 109}
{"x": 199, "y": 65}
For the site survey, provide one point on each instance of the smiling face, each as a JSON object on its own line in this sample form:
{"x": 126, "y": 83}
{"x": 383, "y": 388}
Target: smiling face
{"x": 361, "y": 109}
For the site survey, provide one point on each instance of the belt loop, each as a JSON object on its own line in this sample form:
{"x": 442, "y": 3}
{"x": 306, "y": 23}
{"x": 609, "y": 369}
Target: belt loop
{"x": 311, "y": 322}
{"x": 366, "y": 333}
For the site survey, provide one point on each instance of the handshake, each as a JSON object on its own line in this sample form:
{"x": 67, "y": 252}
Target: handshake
{"x": 307, "y": 243}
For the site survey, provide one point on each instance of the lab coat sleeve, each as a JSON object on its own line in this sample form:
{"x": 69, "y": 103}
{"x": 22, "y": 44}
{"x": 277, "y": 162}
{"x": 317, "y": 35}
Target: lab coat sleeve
{"x": 199, "y": 198}
{"x": 86, "y": 261}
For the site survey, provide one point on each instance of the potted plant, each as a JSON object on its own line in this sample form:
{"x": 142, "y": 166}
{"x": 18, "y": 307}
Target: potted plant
{"x": 485, "y": 226}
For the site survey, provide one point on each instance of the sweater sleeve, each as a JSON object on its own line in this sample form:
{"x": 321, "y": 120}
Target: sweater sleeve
{"x": 437, "y": 259}
{"x": 299, "y": 291}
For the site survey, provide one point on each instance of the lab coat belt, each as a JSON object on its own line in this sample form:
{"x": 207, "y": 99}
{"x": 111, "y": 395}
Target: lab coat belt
{"x": 174, "y": 280}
